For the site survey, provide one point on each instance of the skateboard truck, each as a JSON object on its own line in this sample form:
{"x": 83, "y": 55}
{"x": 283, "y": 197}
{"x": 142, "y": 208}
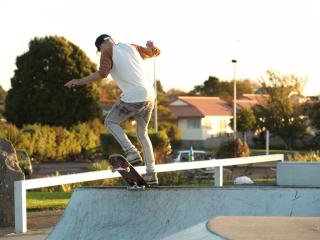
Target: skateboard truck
{"x": 135, "y": 186}
{"x": 128, "y": 172}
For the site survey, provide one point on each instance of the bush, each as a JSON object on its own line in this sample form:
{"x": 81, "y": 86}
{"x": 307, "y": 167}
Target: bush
{"x": 313, "y": 156}
{"x": 103, "y": 165}
{"x": 10, "y": 132}
{"x": 161, "y": 146}
{"x": 160, "y": 142}
{"x": 232, "y": 149}
{"x": 59, "y": 143}
{"x": 183, "y": 178}
{"x": 174, "y": 134}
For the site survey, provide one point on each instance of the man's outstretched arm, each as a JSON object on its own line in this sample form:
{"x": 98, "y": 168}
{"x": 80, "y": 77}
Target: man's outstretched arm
{"x": 105, "y": 67}
{"x": 149, "y": 51}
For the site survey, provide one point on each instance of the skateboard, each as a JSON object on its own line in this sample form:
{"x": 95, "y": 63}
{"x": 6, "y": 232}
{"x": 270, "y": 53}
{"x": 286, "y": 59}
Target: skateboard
{"x": 129, "y": 174}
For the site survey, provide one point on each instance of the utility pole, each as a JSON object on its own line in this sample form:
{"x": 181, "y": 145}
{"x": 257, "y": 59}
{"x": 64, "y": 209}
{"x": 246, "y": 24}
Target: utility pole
{"x": 234, "y": 61}
{"x": 155, "y": 102}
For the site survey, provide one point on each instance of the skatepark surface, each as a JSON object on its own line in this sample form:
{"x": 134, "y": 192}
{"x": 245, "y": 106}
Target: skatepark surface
{"x": 188, "y": 213}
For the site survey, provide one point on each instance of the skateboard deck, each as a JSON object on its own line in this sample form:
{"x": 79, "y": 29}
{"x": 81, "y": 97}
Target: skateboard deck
{"x": 129, "y": 174}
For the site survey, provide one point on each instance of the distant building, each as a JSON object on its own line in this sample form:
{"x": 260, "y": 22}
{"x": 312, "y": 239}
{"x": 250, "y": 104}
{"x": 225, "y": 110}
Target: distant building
{"x": 200, "y": 118}
{"x": 250, "y": 100}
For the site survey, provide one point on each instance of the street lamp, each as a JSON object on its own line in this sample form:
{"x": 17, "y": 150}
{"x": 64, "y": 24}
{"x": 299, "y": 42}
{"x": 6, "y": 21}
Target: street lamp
{"x": 155, "y": 104}
{"x": 234, "y": 61}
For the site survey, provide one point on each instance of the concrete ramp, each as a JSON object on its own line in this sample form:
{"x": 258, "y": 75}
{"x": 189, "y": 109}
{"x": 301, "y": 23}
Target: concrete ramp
{"x": 196, "y": 232}
{"x": 167, "y": 213}
{"x": 266, "y": 228}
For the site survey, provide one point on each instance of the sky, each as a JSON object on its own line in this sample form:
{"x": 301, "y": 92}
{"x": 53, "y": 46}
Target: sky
{"x": 197, "y": 38}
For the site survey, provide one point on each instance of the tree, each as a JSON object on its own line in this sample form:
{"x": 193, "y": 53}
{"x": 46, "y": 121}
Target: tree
{"x": 164, "y": 114}
{"x": 173, "y": 93}
{"x": 246, "y": 121}
{"x": 223, "y": 89}
{"x": 312, "y": 110}
{"x": 38, "y": 94}
{"x": 3, "y": 95}
{"x": 279, "y": 114}
{"x": 110, "y": 93}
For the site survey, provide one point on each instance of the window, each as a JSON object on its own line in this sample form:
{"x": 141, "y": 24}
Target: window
{"x": 193, "y": 123}
{"x": 222, "y": 126}
{"x": 207, "y": 123}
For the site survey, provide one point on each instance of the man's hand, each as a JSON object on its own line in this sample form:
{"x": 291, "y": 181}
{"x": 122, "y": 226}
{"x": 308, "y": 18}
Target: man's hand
{"x": 150, "y": 44}
{"x": 73, "y": 83}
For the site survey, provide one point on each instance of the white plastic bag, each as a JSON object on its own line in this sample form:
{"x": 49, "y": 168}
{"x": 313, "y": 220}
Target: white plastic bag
{"x": 243, "y": 180}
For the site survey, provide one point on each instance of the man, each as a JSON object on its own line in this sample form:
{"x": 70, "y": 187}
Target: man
{"x": 125, "y": 64}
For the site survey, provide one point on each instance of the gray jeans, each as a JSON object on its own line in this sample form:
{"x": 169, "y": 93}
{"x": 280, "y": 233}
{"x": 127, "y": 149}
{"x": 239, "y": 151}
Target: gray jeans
{"x": 141, "y": 111}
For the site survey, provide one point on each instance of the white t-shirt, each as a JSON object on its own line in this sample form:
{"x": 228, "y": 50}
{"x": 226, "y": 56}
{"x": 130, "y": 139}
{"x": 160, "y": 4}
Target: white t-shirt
{"x": 129, "y": 72}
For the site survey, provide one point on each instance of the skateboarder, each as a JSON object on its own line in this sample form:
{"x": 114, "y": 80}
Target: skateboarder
{"x": 125, "y": 64}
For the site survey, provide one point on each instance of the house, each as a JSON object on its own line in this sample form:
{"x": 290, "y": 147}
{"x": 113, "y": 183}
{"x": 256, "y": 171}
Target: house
{"x": 250, "y": 100}
{"x": 200, "y": 118}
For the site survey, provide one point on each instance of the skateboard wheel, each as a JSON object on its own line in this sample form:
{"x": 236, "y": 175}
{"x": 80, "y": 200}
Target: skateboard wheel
{"x": 113, "y": 170}
{"x": 127, "y": 169}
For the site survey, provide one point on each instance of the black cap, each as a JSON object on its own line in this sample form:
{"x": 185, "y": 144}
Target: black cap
{"x": 100, "y": 40}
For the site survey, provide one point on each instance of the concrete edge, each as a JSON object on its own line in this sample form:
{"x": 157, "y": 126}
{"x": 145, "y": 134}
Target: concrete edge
{"x": 214, "y": 232}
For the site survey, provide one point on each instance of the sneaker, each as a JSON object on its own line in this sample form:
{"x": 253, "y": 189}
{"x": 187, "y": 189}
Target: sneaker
{"x": 151, "y": 178}
{"x": 134, "y": 158}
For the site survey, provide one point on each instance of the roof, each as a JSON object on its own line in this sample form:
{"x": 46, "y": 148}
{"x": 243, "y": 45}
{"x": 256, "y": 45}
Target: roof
{"x": 199, "y": 107}
{"x": 246, "y": 103}
{"x": 253, "y": 97}
{"x": 250, "y": 100}
{"x": 185, "y": 111}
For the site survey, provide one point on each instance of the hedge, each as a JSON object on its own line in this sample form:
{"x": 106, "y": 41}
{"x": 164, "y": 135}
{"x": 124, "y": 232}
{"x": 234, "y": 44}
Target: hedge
{"x": 58, "y": 143}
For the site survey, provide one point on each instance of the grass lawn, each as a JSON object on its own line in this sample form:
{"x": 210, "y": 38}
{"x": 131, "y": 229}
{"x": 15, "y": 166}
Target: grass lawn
{"x": 37, "y": 201}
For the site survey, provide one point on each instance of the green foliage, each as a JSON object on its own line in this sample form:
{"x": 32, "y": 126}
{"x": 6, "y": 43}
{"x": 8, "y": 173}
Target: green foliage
{"x": 182, "y": 178}
{"x": 173, "y": 132}
{"x": 279, "y": 114}
{"x": 38, "y": 94}
{"x": 98, "y": 166}
{"x": 47, "y": 200}
{"x": 281, "y": 86}
{"x": 313, "y": 113}
{"x": 45, "y": 142}
{"x": 173, "y": 93}
{"x": 223, "y": 89}
{"x": 10, "y": 132}
{"x": 245, "y": 120}
{"x": 3, "y": 95}
{"x": 160, "y": 142}
{"x": 161, "y": 146}
{"x": 232, "y": 149}
{"x": 103, "y": 165}
{"x": 110, "y": 92}
{"x": 312, "y": 156}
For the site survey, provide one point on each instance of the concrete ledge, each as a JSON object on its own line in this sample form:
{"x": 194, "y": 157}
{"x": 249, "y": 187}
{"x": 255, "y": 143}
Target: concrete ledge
{"x": 301, "y": 174}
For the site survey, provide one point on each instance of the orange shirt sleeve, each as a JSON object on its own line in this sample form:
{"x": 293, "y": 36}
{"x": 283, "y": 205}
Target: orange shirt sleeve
{"x": 105, "y": 62}
{"x": 147, "y": 52}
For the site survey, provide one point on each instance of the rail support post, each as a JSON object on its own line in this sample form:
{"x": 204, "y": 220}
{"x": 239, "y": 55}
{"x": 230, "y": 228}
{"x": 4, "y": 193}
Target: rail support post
{"x": 20, "y": 208}
{"x": 218, "y": 176}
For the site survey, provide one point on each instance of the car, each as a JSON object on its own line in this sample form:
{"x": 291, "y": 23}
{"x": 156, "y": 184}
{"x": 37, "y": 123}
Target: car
{"x": 25, "y": 162}
{"x": 198, "y": 155}
{"x": 183, "y": 156}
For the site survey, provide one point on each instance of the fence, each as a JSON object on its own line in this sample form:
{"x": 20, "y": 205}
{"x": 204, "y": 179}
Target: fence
{"x": 20, "y": 187}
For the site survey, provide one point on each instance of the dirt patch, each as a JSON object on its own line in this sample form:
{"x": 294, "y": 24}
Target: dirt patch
{"x": 37, "y": 222}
